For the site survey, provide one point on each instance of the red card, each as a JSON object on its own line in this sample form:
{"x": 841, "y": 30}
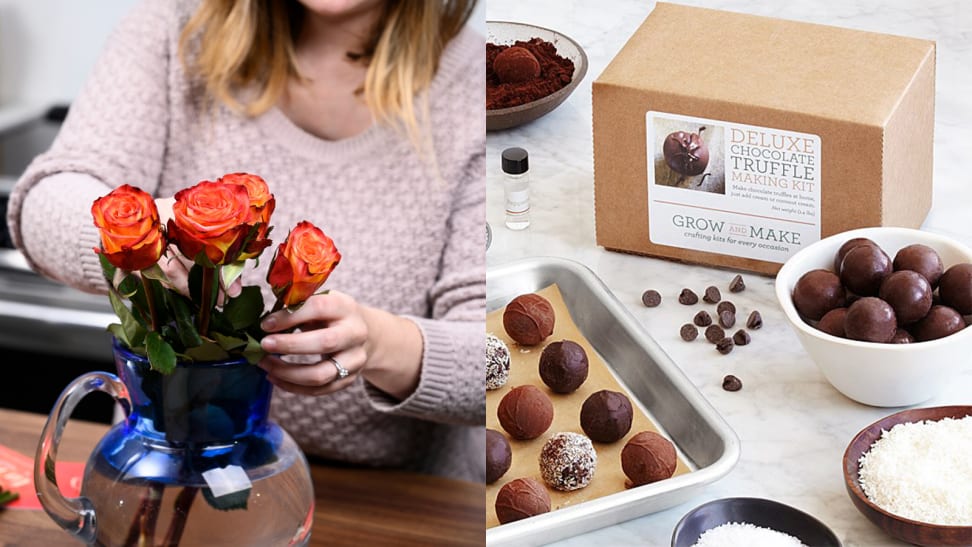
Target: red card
{"x": 17, "y": 474}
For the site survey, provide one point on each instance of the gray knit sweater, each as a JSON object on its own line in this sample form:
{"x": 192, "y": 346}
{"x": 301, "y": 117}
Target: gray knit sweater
{"x": 412, "y": 239}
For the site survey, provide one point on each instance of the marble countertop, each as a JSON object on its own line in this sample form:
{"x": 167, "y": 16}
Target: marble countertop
{"x": 793, "y": 426}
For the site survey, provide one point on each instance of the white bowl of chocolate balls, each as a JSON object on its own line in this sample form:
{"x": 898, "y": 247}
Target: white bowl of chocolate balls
{"x": 882, "y": 311}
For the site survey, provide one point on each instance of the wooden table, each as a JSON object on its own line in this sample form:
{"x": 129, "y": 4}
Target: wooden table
{"x": 354, "y": 506}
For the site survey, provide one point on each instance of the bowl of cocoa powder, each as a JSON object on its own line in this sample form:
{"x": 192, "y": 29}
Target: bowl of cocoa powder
{"x": 530, "y": 71}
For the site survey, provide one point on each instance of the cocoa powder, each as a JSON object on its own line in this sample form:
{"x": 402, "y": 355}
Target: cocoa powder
{"x": 555, "y": 73}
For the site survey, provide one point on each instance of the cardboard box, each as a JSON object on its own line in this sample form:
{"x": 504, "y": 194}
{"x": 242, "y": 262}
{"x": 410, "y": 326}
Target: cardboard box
{"x": 810, "y": 130}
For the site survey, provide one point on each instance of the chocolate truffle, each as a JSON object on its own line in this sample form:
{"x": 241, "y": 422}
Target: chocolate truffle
{"x": 902, "y": 336}
{"x": 686, "y": 153}
{"x": 870, "y": 319}
{"x": 499, "y": 456}
{"x": 568, "y": 461}
{"x": 847, "y": 246}
{"x": 648, "y": 457}
{"x": 816, "y": 293}
{"x": 940, "y": 322}
{"x": 563, "y": 366}
{"x": 955, "y": 288}
{"x": 520, "y": 499}
{"x": 833, "y": 322}
{"x": 921, "y": 259}
{"x": 606, "y": 416}
{"x": 529, "y": 319}
{"x": 525, "y": 412}
{"x": 516, "y": 65}
{"x": 864, "y": 268}
{"x": 497, "y": 362}
{"x": 908, "y": 293}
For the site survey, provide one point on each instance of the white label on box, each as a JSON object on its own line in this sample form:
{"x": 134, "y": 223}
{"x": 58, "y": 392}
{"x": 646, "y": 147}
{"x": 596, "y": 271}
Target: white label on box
{"x": 730, "y": 188}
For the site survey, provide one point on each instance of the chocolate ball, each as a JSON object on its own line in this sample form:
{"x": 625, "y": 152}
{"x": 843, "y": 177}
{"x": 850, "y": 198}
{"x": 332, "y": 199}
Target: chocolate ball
{"x": 939, "y": 323}
{"x": 568, "y": 461}
{"x": 908, "y": 293}
{"x": 499, "y": 456}
{"x": 648, "y": 457}
{"x": 864, "y": 268}
{"x": 563, "y": 366}
{"x": 833, "y": 322}
{"x": 921, "y": 259}
{"x": 529, "y": 319}
{"x": 686, "y": 153}
{"x": 902, "y": 336}
{"x": 606, "y": 416}
{"x": 870, "y": 319}
{"x": 525, "y": 412}
{"x": 847, "y": 246}
{"x": 516, "y": 65}
{"x": 520, "y": 499}
{"x": 955, "y": 288}
{"x": 816, "y": 293}
{"x": 497, "y": 362}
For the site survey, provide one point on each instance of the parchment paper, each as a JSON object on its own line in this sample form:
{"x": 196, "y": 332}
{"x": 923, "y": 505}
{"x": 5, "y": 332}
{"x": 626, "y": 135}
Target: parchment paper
{"x": 524, "y": 362}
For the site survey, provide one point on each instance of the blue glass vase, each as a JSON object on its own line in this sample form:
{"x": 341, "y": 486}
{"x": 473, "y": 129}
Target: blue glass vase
{"x": 196, "y": 461}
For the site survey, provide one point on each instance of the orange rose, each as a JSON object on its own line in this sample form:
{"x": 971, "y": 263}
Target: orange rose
{"x": 302, "y": 264}
{"x": 211, "y": 218}
{"x": 262, "y": 204}
{"x": 131, "y": 235}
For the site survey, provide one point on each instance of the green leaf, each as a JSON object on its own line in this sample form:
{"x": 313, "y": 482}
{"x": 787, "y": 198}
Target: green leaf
{"x": 160, "y": 354}
{"x": 134, "y": 332}
{"x": 118, "y": 332}
{"x": 181, "y": 310}
{"x": 107, "y": 268}
{"x": 229, "y": 343}
{"x": 228, "y": 502}
{"x": 244, "y": 310}
{"x": 6, "y": 496}
{"x": 155, "y": 272}
{"x": 230, "y": 273}
{"x": 254, "y": 351}
{"x": 195, "y": 282}
{"x": 207, "y": 351}
{"x": 129, "y": 286}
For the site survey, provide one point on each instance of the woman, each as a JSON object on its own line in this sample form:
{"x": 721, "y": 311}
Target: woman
{"x": 366, "y": 118}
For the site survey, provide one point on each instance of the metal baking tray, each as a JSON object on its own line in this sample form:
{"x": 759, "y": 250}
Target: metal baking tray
{"x": 701, "y": 435}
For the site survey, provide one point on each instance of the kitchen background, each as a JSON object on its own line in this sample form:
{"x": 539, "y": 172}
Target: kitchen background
{"x": 50, "y": 334}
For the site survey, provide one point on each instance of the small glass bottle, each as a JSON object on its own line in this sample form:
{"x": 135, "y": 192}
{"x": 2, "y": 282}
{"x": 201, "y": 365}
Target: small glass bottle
{"x": 516, "y": 187}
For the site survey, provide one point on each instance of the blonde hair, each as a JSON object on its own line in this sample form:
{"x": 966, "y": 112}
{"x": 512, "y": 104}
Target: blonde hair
{"x": 250, "y": 43}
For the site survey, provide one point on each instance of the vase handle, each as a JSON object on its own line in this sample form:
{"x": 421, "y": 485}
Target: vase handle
{"x": 76, "y": 515}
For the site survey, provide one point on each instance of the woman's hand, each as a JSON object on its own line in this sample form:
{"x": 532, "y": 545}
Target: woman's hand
{"x": 383, "y": 348}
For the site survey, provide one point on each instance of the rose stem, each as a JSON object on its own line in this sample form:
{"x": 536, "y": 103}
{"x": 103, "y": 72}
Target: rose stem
{"x": 150, "y": 298}
{"x": 183, "y": 504}
{"x": 208, "y": 277}
{"x": 133, "y": 530}
{"x": 142, "y": 528}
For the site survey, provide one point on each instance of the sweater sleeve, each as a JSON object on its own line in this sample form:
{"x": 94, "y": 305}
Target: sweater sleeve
{"x": 451, "y": 385}
{"x": 115, "y": 133}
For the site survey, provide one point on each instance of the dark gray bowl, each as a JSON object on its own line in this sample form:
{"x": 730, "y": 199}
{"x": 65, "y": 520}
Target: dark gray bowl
{"x": 755, "y": 511}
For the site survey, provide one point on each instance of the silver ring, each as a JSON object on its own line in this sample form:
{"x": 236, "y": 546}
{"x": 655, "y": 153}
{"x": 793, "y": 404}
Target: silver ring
{"x": 342, "y": 372}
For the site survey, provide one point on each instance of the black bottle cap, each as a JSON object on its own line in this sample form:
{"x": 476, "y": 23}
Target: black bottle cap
{"x": 516, "y": 161}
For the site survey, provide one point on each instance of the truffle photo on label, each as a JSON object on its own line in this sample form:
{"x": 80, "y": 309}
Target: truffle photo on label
{"x": 529, "y": 319}
{"x": 689, "y": 155}
{"x": 497, "y": 362}
{"x": 568, "y": 461}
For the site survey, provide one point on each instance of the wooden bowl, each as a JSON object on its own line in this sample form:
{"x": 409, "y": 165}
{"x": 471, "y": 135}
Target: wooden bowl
{"x": 912, "y": 531}
{"x": 504, "y": 32}
{"x": 758, "y": 512}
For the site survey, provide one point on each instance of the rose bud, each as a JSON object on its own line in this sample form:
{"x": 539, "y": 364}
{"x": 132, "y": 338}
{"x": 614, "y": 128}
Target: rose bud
{"x": 211, "y": 218}
{"x": 302, "y": 264}
{"x": 131, "y": 235}
{"x": 262, "y": 204}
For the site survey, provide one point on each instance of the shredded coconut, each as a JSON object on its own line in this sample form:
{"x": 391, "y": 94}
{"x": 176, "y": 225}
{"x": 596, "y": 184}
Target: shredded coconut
{"x": 922, "y": 471}
{"x": 743, "y": 534}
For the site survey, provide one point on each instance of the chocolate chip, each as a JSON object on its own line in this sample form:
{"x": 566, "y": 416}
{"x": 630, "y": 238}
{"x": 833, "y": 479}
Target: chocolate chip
{"x": 688, "y": 297}
{"x": 651, "y": 298}
{"x": 741, "y": 338}
{"x": 727, "y": 319}
{"x": 702, "y": 319}
{"x": 725, "y": 305}
{"x": 714, "y": 333}
{"x": 724, "y": 346}
{"x": 731, "y": 383}
{"x": 737, "y": 284}
{"x": 755, "y": 321}
{"x": 688, "y": 332}
{"x": 712, "y": 295}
